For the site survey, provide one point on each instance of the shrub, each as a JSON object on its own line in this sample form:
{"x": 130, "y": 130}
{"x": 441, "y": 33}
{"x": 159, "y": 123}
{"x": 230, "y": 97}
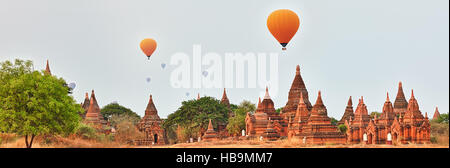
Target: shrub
{"x": 86, "y": 132}
{"x": 342, "y": 128}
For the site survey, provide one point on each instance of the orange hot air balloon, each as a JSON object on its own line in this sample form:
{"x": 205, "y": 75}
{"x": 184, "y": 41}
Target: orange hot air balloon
{"x": 148, "y": 46}
{"x": 283, "y": 24}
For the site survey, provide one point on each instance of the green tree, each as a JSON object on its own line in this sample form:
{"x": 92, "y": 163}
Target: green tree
{"x": 372, "y": 114}
{"x": 193, "y": 116}
{"x": 237, "y": 123}
{"x": 334, "y": 121}
{"x": 279, "y": 110}
{"x": 33, "y": 104}
{"x": 115, "y": 109}
{"x": 342, "y": 128}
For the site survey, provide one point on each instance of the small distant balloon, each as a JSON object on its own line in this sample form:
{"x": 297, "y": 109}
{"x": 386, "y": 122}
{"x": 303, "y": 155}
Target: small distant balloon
{"x": 205, "y": 73}
{"x": 163, "y": 65}
{"x": 148, "y": 79}
{"x": 148, "y": 46}
{"x": 72, "y": 85}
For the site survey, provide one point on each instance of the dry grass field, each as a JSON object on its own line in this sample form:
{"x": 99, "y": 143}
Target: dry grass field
{"x": 74, "y": 142}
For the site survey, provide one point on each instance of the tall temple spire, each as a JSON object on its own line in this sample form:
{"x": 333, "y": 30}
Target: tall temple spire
{"x": 267, "y": 93}
{"x": 210, "y": 127}
{"x": 388, "y": 109}
{"x": 86, "y": 102}
{"x": 302, "y": 111}
{"x": 436, "y": 114}
{"x": 350, "y": 103}
{"x": 93, "y": 114}
{"x": 297, "y": 87}
{"x": 319, "y": 99}
{"x": 47, "y": 69}
{"x": 198, "y": 96}
{"x": 348, "y": 114}
{"x": 225, "y": 98}
{"x": 413, "y": 110}
{"x": 151, "y": 109}
{"x": 400, "y": 103}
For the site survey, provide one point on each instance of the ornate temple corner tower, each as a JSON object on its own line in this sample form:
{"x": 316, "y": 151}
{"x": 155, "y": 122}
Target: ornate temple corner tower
{"x": 210, "y": 134}
{"x": 150, "y": 124}
{"x": 300, "y": 119}
{"x": 93, "y": 116}
{"x": 436, "y": 114}
{"x": 256, "y": 124}
{"x": 319, "y": 129}
{"x": 413, "y": 126}
{"x": 356, "y": 127}
{"x": 85, "y": 105}
{"x": 400, "y": 103}
{"x": 270, "y": 133}
{"x": 47, "y": 69}
{"x": 222, "y": 126}
{"x": 348, "y": 112}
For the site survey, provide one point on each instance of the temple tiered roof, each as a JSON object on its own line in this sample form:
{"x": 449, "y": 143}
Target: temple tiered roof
{"x": 400, "y": 103}
{"x": 348, "y": 111}
{"x": 297, "y": 87}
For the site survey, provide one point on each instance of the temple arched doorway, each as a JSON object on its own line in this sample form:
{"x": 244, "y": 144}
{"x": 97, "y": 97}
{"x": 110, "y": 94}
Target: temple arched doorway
{"x": 369, "y": 138}
{"x": 394, "y": 137}
{"x": 155, "y": 138}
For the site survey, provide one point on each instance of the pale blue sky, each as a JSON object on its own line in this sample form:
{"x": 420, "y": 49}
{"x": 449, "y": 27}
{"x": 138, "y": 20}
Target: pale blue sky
{"x": 345, "y": 48}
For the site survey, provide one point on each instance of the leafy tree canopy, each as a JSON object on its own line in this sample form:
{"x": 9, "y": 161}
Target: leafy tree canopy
{"x": 334, "y": 121}
{"x": 33, "y": 104}
{"x": 237, "y": 123}
{"x": 342, "y": 128}
{"x": 194, "y": 115}
{"x": 115, "y": 109}
{"x": 372, "y": 114}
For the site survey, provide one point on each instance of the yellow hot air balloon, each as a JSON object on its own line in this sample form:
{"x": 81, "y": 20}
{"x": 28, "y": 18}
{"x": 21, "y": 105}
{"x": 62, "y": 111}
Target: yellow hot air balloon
{"x": 283, "y": 24}
{"x": 148, "y": 46}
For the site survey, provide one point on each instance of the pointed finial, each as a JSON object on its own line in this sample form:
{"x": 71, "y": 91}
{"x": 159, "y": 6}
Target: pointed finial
{"x": 362, "y": 99}
{"x": 87, "y": 95}
{"x": 267, "y": 93}
{"x": 387, "y": 96}
{"x": 92, "y": 92}
{"x": 400, "y": 84}
{"x": 412, "y": 93}
{"x": 426, "y": 114}
{"x": 47, "y": 68}
{"x": 198, "y": 96}
{"x": 319, "y": 99}
{"x": 349, "y": 103}
{"x": 297, "y": 70}
{"x": 151, "y": 99}
{"x": 210, "y": 127}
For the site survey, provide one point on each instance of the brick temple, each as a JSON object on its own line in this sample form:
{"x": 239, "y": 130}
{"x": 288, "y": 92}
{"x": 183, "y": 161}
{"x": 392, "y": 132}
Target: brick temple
{"x": 396, "y": 124}
{"x": 93, "y": 116}
{"x": 436, "y": 114}
{"x": 298, "y": 118}
{"x": 151, "y": 125}
{"x": 400, "y": 122}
